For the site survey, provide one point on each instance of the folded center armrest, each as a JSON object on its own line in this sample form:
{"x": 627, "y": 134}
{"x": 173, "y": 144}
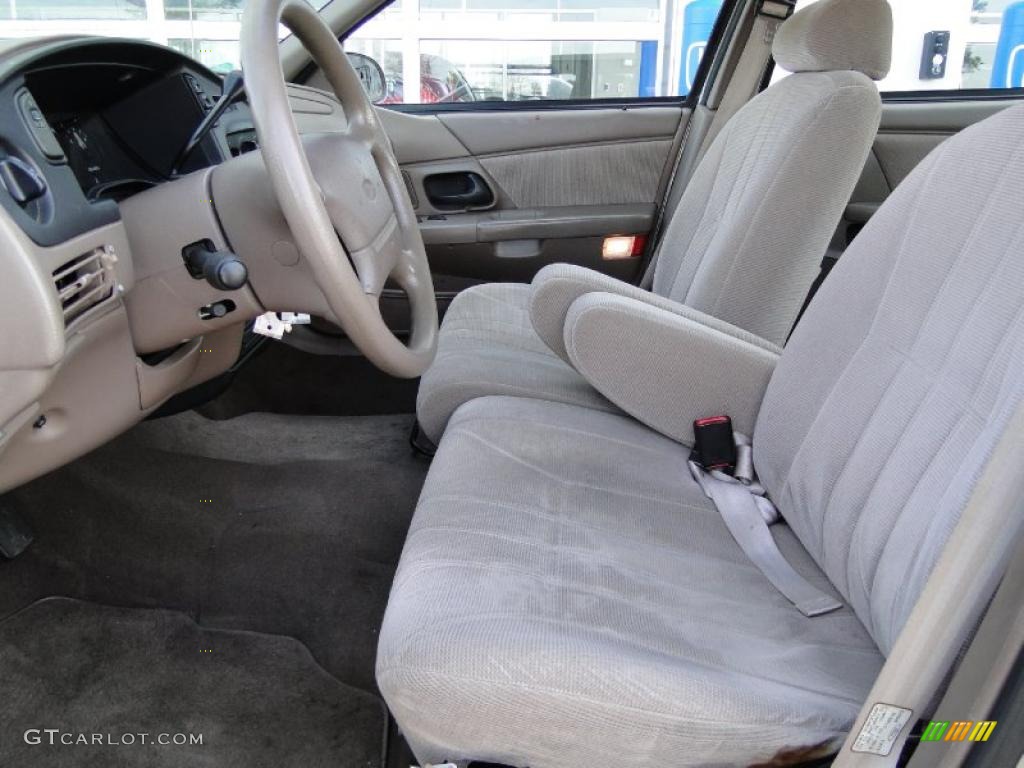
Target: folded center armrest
{"x": 557, "y": 286}
{"x": 668, "y": 368}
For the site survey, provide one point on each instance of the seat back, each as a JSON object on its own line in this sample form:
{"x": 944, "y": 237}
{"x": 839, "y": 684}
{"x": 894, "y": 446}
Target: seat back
{"x": 748, "y": 235}
{"x": 903, "y": 374}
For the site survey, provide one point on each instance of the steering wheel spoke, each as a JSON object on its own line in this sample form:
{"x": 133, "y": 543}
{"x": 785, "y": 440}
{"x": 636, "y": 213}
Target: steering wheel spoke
{"x": 377, "y": 261}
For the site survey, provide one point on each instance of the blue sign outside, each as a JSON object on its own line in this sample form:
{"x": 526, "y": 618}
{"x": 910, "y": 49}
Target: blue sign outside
{"x": 698, "y": 21}
{"x": 1008, "y": 65}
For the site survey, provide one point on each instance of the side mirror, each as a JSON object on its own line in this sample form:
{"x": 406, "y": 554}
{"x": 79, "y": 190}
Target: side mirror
{"x": 370, "y": 75}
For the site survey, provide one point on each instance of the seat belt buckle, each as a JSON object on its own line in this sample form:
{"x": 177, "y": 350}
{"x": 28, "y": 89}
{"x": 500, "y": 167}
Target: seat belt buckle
{"x": 714, "y": 447}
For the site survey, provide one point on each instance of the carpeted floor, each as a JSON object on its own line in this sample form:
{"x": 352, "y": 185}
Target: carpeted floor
{"x": 285, "y": 525}
{"x": 93, "y": 672}
{"x": 283, "y": 379}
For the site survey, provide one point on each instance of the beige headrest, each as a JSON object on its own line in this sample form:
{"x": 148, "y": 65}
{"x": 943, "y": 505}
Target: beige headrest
{"x": 837, "y": 35}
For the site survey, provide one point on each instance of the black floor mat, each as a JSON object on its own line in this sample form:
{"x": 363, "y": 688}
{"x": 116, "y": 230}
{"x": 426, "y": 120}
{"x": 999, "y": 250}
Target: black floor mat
{"x": 283, "y": 379}
{"x": 93, "y": 672}
{"x": 290, "y": 525}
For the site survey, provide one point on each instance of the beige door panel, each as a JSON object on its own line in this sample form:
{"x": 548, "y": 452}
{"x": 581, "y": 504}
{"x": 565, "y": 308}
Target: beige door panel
{"x": 947, "y": 117}
{"x": 908, "y": 133}
{"x": 555, "y": 175}
{"x": 506, "y": 131}
{"x": 539, "y": 158}
{"x": 417, "y": 174}
{"x": 562, "y": 180}
{"x": 420, "y": 138}
{"x": 596, "y": 174}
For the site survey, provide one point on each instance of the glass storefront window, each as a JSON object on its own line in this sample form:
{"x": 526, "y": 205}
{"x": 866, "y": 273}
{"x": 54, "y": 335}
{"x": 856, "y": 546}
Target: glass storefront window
{"x": 219, "y": 55}
{"x": 207, "y": 30}
{"x": 983, "y": 42}
{"x": 530, "y": 50}
{"x": 58, "y": 10}
{"x": 534, "y": 70}
{"x": 547, "y": 10}
{"x": 977, "y": 68}
{"x": 204, "y": 10}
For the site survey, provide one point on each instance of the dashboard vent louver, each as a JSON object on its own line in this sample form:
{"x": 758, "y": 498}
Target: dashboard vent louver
{"x": 84, "y": 282}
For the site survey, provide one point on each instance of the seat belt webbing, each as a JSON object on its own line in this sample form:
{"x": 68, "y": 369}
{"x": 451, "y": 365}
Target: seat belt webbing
{"x": 750, "y": 69}
{"x": 747, "y": 513}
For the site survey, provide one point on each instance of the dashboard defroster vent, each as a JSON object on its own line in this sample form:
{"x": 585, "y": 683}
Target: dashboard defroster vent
{"x": 84, "y": 282}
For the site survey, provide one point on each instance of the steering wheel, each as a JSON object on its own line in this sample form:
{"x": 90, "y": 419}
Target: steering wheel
{"x": 356, "y": 190}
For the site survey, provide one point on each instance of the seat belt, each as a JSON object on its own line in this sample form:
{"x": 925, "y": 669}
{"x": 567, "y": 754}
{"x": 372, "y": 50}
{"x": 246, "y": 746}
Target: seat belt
{"x": 749, "y": 72}
{"x": 748, "y": 513}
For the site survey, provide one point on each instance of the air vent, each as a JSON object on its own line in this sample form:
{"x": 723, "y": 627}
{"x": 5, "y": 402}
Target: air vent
{"x": 84, "y": 282}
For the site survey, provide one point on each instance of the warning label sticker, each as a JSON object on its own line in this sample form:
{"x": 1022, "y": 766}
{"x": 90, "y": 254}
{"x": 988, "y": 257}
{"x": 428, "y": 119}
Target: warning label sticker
{"x": 881, "y": 729}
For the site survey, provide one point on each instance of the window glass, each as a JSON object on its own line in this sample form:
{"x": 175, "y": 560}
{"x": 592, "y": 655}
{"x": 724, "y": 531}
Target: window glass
{"x": 953, "y": 45}
{"x": 481, "y": 70}
{"x": 207, "y": 30}
{"x": 204, "y": 10}
{"x": 59, "y": 10}
{"x": 219, "y": 55}
{"x": 453, "y": 50}
{"x": 536, "y": 50}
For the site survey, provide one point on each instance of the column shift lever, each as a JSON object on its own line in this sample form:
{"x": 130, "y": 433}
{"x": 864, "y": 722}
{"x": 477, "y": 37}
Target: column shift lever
{"x": 222, "y": 269}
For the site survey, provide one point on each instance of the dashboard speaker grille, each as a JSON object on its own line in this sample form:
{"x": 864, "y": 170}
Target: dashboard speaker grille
{"x": 84, "y": 282}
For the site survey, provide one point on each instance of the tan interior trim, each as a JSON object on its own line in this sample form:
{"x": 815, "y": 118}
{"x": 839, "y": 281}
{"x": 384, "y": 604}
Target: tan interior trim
{"x": 959, "y": 588}
{"x": 987, "y": 665}
{"x": 543, "y": 129}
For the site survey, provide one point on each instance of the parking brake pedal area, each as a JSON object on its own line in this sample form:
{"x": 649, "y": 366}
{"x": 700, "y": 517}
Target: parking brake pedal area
{"x": 276, "y": 326}
{"x": 15, "y": 534}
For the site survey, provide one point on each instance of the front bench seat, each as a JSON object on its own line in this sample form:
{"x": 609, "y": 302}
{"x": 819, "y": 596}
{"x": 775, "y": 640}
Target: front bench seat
{"x": 568, "y": 597}
{"x": 748, "y": 235}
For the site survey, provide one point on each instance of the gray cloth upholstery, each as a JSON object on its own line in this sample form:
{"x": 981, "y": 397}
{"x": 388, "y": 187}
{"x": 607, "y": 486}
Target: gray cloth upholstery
{"x": 837, "y": 34}
{"x": 599, "y": 174}
{"x": 557, "y": 286}
{"x": 744, "y": 243}
{"x": 569, "y": 598}
{"x": 487, "y": 345}
{"x": 690, "y": 369}
{"x": 566, "y": 596}
{"x": 757, "y": 217}
{"x": 893, "y": 391}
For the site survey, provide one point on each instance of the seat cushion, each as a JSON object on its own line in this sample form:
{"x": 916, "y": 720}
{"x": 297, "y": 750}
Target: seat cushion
{"x": 487, "y": 346}
{"x": 568, "y": 597}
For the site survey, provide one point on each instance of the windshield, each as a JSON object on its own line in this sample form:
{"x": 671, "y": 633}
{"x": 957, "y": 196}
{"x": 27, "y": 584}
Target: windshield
{"x": 206, "y": 30}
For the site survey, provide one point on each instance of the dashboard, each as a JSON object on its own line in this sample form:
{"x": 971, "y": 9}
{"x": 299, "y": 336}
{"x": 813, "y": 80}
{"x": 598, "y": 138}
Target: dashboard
{"x": 102, "y": 225}
{"x": 100, "y": 121}
{"x": 105, "y": 322}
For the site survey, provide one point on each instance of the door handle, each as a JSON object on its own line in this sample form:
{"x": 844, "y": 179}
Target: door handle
{"x": 459, "y": 190}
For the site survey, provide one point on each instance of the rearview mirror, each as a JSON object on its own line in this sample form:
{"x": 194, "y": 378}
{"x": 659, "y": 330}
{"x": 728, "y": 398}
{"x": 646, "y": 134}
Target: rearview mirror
{"x": 370, "y": 75}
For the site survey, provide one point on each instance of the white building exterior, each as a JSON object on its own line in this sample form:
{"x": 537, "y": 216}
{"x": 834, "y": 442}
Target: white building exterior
{"x": 516, "y": 48}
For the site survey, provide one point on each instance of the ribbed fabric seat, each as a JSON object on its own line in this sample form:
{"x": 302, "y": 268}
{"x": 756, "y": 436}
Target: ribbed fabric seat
{"x": 488, "y": 347}
{"x": 568, "y": 597}
{"x": 748, "y": 234}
